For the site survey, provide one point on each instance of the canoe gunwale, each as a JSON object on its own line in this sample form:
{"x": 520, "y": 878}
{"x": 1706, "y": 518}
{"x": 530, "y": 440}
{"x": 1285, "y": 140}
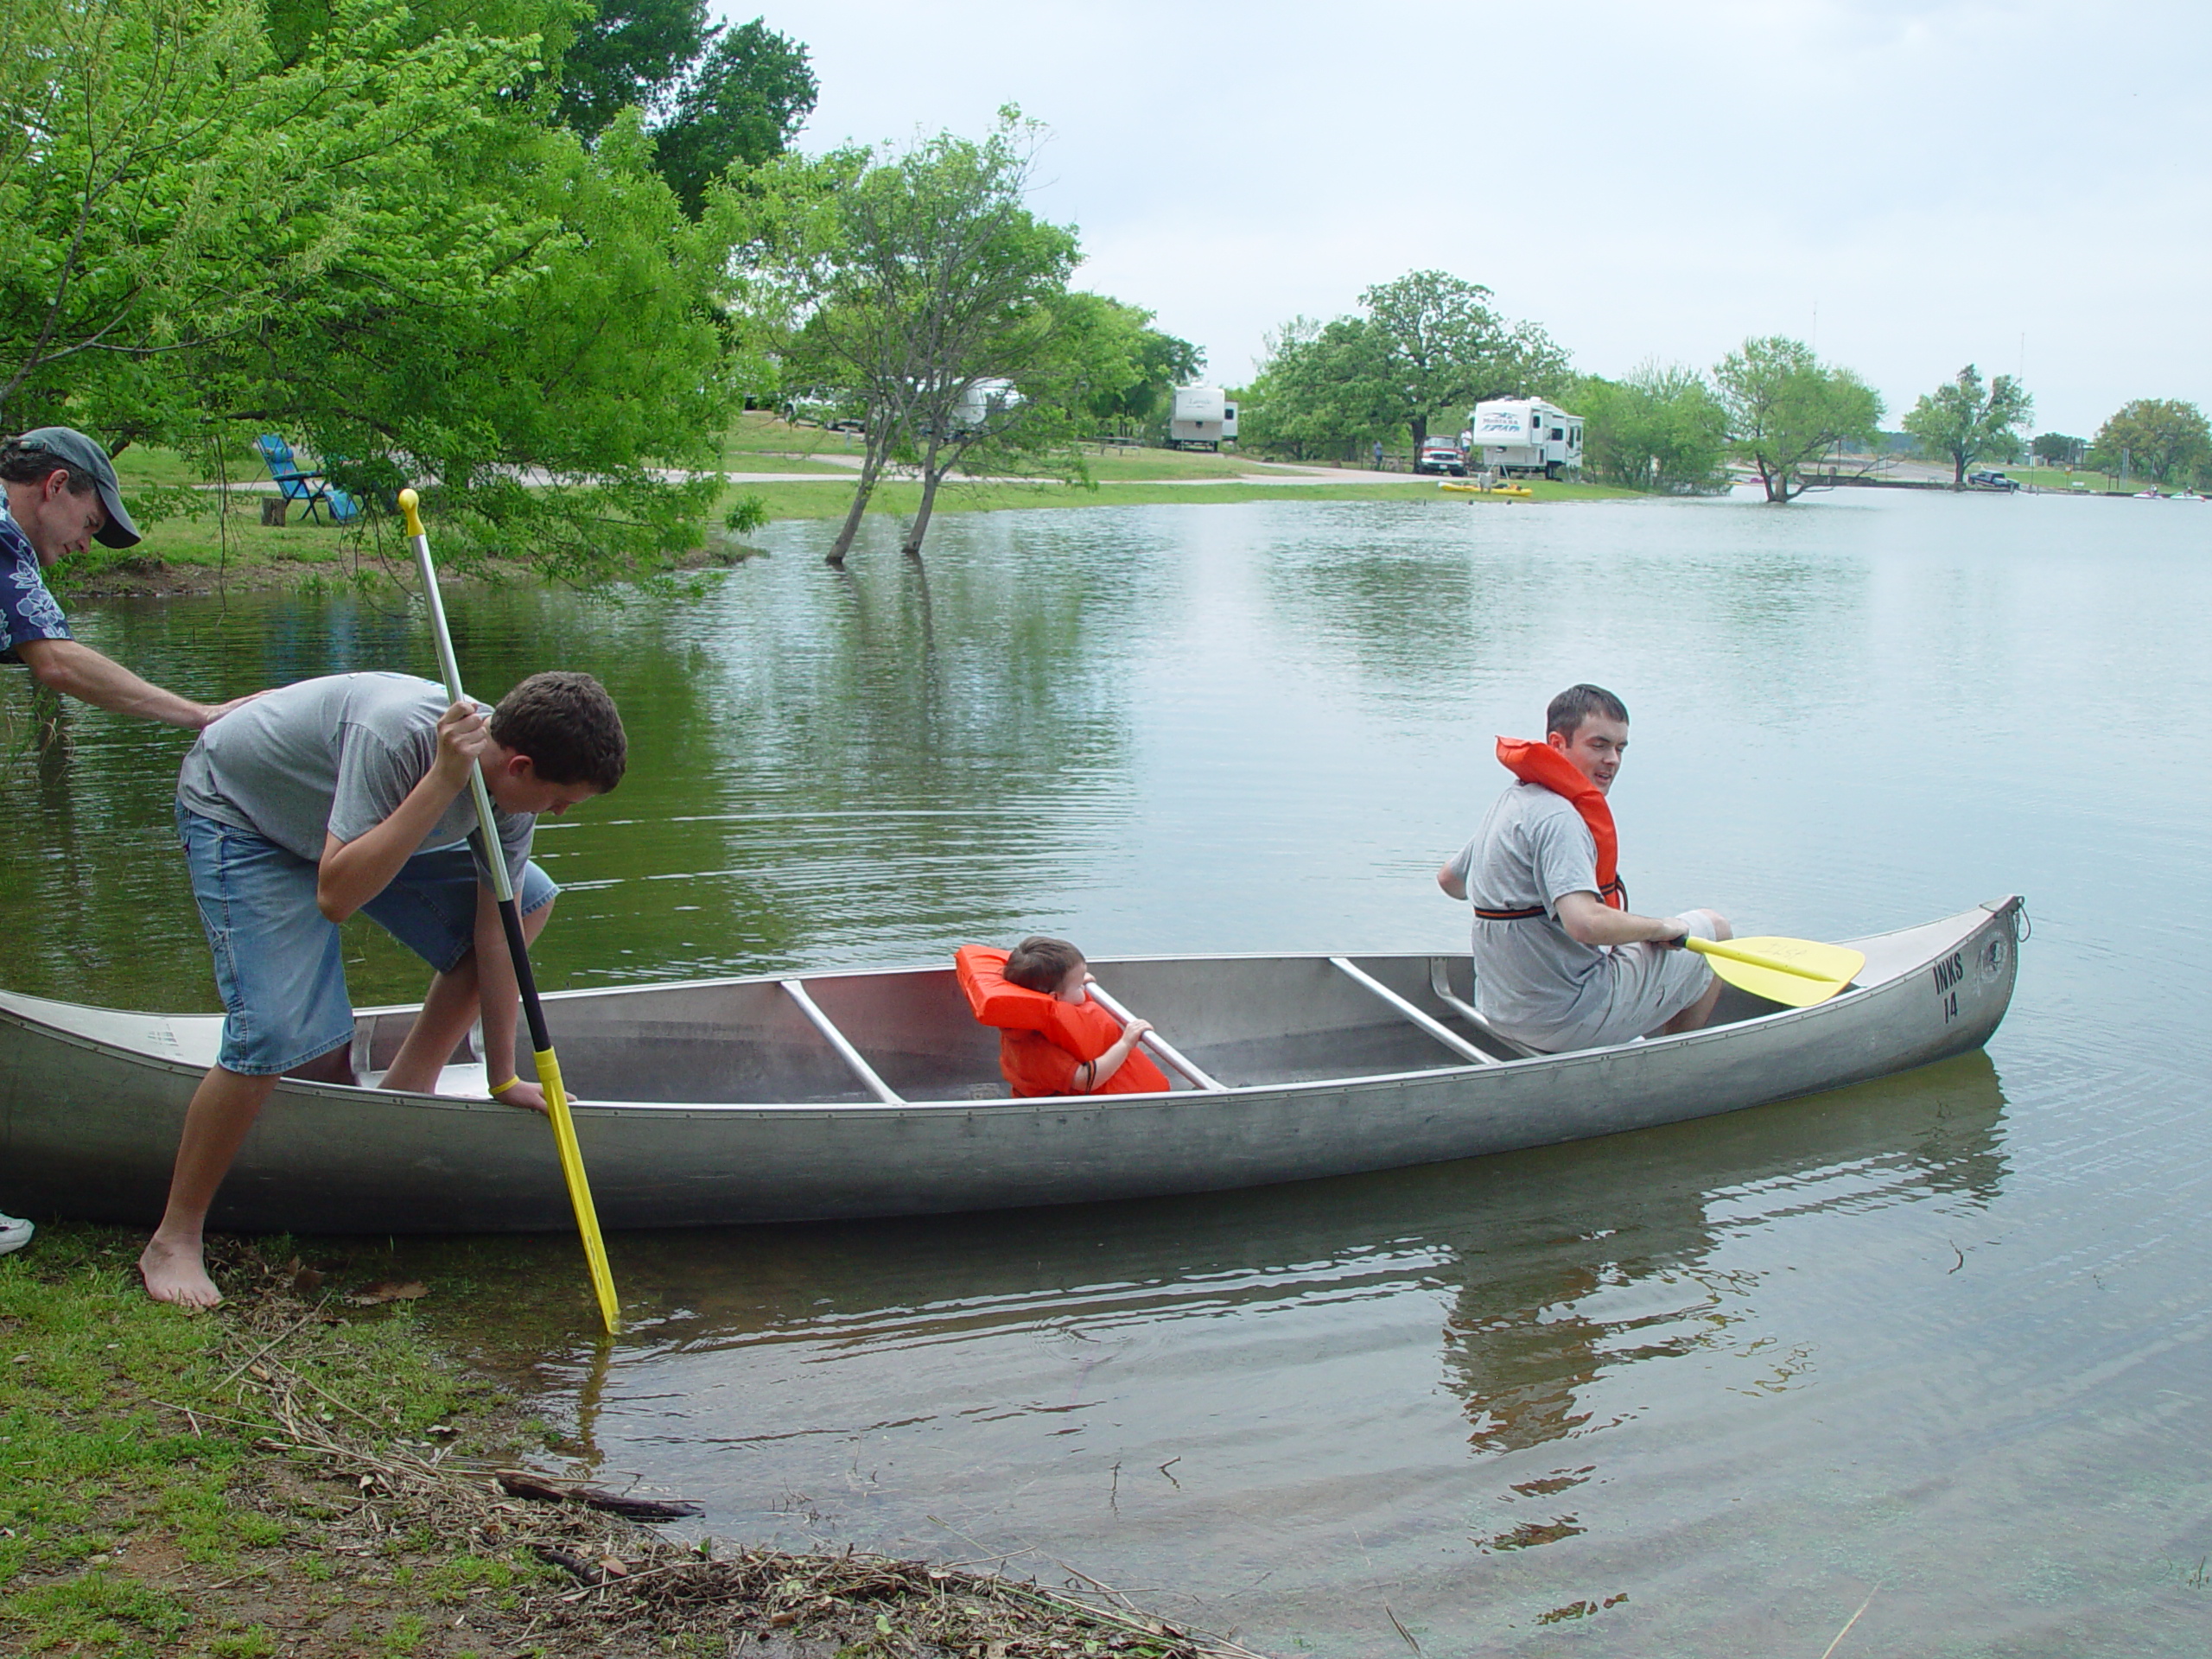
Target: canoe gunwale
{"x": 1780, "y": 1019}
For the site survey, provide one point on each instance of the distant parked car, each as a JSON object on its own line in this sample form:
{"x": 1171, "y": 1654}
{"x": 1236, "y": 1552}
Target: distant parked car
{"x": 1986, "y": 480}
{"x": 1441, "y": 455}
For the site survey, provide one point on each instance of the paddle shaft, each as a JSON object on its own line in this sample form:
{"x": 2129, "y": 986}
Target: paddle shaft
{"x": 541, "y": 1040}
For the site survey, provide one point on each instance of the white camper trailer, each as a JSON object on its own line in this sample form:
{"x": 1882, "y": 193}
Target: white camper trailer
{"x": 982, "y": 402}
{"x": 1526, "y": 435}
{"x": 1204, "y": 417}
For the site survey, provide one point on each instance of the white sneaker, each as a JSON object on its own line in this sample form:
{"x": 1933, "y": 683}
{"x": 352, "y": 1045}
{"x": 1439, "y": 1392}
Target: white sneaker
{"x": 14, "y": 1234}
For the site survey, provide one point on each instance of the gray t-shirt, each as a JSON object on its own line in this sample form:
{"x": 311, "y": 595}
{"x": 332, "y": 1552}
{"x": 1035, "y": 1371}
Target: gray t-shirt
{"x": 334, "y": 756}
{"x": 1532, "y": 979}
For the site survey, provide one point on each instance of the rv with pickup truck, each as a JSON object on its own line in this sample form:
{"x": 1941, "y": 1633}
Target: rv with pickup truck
{"x": 1526, "y": 435}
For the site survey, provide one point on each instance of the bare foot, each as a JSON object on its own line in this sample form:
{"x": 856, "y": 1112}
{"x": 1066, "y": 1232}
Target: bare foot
{"x": 176, "y": 1273}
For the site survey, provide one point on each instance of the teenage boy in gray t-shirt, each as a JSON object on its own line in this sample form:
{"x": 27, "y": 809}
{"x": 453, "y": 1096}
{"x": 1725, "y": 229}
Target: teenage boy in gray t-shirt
{"x": 350, "y": 793}
{"x": 1556, "y": 968}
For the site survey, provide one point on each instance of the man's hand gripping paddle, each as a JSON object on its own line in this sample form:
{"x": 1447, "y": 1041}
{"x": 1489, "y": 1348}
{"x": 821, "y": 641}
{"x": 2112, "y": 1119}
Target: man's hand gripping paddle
{"x": 1796, "y": 973}
{"x": 541, "y": 1043}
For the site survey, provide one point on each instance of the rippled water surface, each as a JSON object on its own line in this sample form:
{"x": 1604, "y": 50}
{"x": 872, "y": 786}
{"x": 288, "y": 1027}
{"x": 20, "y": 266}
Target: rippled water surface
{"x": 1938, "y": 1341}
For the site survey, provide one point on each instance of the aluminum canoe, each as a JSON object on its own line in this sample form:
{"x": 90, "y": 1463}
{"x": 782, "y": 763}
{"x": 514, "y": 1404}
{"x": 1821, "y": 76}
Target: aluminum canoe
{"x": 874, "y": 1093}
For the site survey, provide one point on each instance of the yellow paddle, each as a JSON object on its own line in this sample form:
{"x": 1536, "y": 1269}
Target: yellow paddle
{"x": 1796, "y": 973}
{"x": 541, "y": 1041}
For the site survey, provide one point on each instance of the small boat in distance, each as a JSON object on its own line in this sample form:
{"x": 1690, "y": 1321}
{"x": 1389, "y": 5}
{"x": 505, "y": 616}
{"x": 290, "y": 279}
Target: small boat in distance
{"x": 809, "y": 1096}
{"x": 1514, "y": 491}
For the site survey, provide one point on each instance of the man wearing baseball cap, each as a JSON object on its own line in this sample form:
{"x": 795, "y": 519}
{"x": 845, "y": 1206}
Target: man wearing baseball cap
{"x": 60, "y": 496}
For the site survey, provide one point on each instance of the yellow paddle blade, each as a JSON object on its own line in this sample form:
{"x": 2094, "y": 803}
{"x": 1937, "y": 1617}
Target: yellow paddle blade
{"x": 1796, "y": 973}
{"x": 572, "y": 1170}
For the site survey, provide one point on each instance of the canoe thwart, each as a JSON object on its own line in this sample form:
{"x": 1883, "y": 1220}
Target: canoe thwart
{"x": 851, "y": 1056}
{"x": 1436, "y": 1028}
{"x": 1440, "y": 982}
{"x": 1159, "y": 1045}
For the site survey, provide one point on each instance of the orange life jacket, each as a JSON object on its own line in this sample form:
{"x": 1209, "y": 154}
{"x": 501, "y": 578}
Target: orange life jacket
{"x": 1540, "y": 763}
{"x": 1042, "y": 1040}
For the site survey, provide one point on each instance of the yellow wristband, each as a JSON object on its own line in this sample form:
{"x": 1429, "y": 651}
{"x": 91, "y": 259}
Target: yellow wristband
{"x": 502, "y": 1088}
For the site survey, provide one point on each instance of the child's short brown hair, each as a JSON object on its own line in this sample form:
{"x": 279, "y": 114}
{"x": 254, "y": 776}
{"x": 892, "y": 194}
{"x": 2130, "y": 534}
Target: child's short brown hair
{"x": 1038, "y": 963}
{"x": 566, "y": 725}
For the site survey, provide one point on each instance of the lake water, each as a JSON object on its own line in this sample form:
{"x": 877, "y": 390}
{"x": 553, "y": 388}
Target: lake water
{"x": 1938, "y": 1341}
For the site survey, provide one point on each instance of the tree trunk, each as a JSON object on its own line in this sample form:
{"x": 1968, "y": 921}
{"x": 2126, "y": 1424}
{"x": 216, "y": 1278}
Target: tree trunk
{"x": 1958, "y": 469}
{"x": 869, "y": 466}
{"x": 920, "y": 527}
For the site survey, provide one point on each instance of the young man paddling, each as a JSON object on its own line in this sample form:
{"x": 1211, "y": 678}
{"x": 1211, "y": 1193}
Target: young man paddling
{"x": 350, "y": 793}
{"x": 1561, "y": 961}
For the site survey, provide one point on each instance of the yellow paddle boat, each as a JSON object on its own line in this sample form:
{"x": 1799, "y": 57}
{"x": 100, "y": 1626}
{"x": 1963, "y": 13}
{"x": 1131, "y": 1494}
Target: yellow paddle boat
{"x": 1512, "y": 492}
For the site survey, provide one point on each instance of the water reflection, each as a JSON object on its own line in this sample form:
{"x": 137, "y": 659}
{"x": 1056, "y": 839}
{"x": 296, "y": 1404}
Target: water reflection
{"x": 1552, "y": 1269}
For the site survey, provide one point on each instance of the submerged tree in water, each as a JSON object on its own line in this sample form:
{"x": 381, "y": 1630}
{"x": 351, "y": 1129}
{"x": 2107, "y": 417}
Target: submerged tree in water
{"x": 938, "y": 295}
{"x": 1786, "y": 411}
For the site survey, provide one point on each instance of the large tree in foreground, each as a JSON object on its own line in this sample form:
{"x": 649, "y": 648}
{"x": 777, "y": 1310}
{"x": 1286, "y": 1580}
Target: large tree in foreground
{"x": 373, "y": 243}
{"x": 1785, "y": 411}
{"x": 1964, "y": 421}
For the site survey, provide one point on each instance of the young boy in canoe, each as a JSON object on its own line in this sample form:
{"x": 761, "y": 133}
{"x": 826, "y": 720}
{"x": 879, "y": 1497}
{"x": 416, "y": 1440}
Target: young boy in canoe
{"x": 1560, "y": 962}
{"x": 1054, "y": 1040}
{"x": 350, "y": 793}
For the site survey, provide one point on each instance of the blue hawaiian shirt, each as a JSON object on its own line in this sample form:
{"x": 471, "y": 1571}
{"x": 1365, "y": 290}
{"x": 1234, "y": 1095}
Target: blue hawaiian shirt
{"x": 27, "y": 610}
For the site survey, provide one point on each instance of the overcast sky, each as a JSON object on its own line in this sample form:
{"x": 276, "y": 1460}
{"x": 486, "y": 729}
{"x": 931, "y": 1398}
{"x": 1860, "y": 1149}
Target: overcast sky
{"x": 1908, "y": 186}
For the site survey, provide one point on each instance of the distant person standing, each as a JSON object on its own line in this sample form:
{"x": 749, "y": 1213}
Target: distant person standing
{"x": 1378, "y": 455}
{"x": 61, "y": 497}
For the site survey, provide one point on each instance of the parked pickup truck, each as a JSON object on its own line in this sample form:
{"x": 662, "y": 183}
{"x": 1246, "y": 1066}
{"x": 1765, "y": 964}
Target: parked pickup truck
{"x": 1991, "y": 481}
{"x": 1440, "y": 455}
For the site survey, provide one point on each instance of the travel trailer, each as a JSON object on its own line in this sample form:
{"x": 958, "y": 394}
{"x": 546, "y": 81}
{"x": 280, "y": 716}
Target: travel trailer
{"x": 1526, "y": 435}
{"x": 1204, "y": 417}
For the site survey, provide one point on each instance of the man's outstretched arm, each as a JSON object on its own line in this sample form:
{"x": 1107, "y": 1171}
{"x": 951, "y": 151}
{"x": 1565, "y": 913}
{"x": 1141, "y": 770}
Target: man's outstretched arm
{"x": 77, "y": 671}
{"x": 1589, "y": 920}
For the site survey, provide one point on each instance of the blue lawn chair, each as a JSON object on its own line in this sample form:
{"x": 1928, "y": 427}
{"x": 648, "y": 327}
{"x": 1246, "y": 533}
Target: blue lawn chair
{"x": 310, "y": 488}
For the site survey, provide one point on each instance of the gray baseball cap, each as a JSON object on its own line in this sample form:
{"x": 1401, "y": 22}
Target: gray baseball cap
{"x": 72, "y": 449}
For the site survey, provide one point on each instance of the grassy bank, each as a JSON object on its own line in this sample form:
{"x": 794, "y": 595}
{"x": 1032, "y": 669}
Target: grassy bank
{"x": 209, "y": 548}
{"x": 305, "y": 1473}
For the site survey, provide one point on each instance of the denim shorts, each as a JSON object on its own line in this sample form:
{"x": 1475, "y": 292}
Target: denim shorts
{"x": 277, "y": 962}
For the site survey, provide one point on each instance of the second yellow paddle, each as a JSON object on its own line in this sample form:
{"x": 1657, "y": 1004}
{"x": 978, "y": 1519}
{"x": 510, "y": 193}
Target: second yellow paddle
{"x": 1796, "y": 973}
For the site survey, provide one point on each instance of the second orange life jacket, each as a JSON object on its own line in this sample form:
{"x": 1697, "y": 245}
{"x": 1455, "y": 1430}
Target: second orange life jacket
{"x": 1031, "y": 1025}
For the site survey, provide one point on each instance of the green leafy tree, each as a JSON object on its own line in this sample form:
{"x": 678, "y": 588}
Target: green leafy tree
{"x": 1431, "y": 346}
{"x": 377, "y": 248}
{"x": 941, "y": 280}
{"x": 628, "y": 54}
{"x": 1437, "y": 346}
{"x": 1964, "y": 421}
{"x": 1135, "y": 367}
{"x": 742, "y": 102}
{"x": 1660, "y": 429}
{"x": 1320, "y": 393}
{"x": 2056, "y": 449}
{"x": 1785, "y": 410}
{"x": 2161, "y": 439}
{"x": 713, "y": 95}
